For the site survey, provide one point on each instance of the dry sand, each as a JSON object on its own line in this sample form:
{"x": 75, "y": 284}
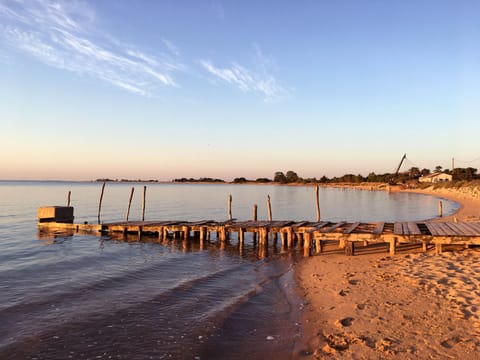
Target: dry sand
{"x": 409, "y": 306}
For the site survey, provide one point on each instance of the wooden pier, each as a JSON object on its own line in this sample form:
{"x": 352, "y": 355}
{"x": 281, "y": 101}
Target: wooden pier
{"x": 310, "y": 235}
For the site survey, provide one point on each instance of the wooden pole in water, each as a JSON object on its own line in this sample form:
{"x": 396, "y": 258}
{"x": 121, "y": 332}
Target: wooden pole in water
{"x": 440, "y": 208}
{"x": 269, "y": 208}
{"x": 230, "y": 207}
{"x": 254, "y": 218}
{"x": 129, "y": 203}
{"x": 317, "y": 203}
{"x": 68, "y": 198}
{"x": 100, "y": 202}
{"x": 143, "y": 202}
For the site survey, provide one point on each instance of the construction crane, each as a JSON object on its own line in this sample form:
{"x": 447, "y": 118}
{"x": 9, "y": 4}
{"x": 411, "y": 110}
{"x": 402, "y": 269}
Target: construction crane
{"x": 392, "y": 179}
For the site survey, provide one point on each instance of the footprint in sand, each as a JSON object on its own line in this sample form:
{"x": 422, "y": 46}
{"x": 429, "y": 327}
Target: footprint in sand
{"x": 450, "y": 343}
{"x": 360, "y": 306}
{"x": 353, "y": 282}
{"x": 337, "y": 341}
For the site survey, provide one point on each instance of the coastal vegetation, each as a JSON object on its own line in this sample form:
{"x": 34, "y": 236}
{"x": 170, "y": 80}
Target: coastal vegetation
{"x": 459, "y": 175}
{"x": 199, "y": 180}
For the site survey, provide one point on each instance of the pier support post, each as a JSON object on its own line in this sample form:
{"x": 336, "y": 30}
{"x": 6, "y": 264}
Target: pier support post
{"x": 241, "y": 235}
{"x": 300, "y": 239}
{"x": 283, "y": 235}
{"x": 289, "y": 237}
{"x": 203, "y": 233}
{"x": 263, "y": 236}
{"x": 223, "y": 234}
{"x": 318, "y": 245}
{"x": 438, "y": 248}
{"x": 440, "y": 208}
{"x": 186, "y": 232}
{"x": 393, "y": 245}
{"x": 350, "y": 248}
{"x": 306, "y": 244}
{"x": 424, "y": 246}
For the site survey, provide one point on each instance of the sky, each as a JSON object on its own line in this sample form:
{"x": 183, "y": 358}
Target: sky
{"x": 224, "y": 89}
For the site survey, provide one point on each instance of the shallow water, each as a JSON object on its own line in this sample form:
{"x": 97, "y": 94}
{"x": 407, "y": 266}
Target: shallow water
{"x": 97, "y": 297}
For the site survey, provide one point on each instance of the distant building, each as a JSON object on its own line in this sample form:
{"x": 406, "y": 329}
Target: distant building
{"x": 436, "y": 177}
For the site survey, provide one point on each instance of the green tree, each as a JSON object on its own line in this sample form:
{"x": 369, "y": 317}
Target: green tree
{"x": 239, "y": 180}
{"x": 280, "y": 177}
{"x": 292, "y": 176}
{"x": 425, "y": 172}
{"x": 414, "y": 173}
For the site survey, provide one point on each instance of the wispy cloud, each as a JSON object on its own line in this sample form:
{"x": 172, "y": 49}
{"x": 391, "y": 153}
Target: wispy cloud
{"x": 256, "y": 80}
{"x": 171, "y": 47}
{"x": 62, "y": 34}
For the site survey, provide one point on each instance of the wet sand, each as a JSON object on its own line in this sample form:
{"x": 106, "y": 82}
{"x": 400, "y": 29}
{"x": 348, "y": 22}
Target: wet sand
{"x": 409, "y": 306}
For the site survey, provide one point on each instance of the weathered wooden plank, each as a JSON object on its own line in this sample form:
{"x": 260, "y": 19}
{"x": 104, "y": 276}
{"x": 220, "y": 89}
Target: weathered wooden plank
{"x": 413, "y": 228}
{"x": 332, "y": 227}
{"x": 431, "y": 226}
{"x": 318, "y": 226}
{"x": 398, "y": 228}
{"x": 278, "y": 223}
{"x": 459, "y": 229}
{"x": 300, "y": 224}
{"x": 202, "y": 222}
{"x": 444, "y": 230}
{"x": 471, "y": 226}
{"x": 379, "y": 228}
{"x": 351, "y": 228}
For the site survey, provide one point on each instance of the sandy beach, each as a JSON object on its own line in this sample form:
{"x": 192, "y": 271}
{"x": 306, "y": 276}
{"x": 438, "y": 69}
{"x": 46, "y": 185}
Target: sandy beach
{"x": 412, "y": 305}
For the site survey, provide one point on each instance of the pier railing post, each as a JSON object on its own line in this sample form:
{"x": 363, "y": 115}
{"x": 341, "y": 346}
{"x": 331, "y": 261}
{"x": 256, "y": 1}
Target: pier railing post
{"x": 230, "y": 207}
{"x": 129, "y": 204}
{"x": 269, "y": 208}
{"x": 143, "y": 202}
{"x": 317, "y": 203}
{"x": 100, "y": 202}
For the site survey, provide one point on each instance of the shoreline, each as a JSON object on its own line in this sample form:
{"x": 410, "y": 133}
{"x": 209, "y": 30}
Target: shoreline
{"x": 467, "y": 198}
{"x": 412, "y": 305}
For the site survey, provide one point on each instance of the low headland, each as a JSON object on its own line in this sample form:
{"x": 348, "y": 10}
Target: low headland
{"x": 412, "y": 305}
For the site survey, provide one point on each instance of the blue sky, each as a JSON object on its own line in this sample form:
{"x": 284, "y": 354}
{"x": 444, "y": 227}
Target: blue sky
{"x": 166, "y": 89}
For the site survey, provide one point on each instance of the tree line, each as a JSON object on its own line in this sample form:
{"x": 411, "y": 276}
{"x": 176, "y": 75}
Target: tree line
{"x": 413, "y": 174}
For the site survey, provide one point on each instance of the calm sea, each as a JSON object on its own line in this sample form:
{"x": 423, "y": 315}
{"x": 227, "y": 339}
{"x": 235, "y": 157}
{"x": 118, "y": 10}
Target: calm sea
{"x": 92, "y": 297}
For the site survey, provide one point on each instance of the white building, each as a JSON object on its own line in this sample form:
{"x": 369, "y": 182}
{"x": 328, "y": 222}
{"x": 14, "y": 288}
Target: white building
{"x": 435, "y": 178}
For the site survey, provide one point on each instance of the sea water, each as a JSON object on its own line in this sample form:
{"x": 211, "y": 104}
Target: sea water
{"x": 97, "y": 297}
